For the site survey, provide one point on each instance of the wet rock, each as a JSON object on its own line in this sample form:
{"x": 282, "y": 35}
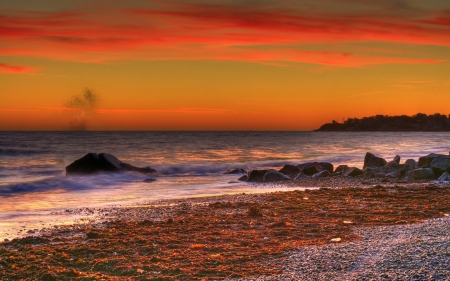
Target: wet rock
{"x": 256, "y": 175}
{"x": 302, "y": 176}
{"x": 444, "y": 177}
{"x": 327, "y": 166}
{"x": 398, "y": 168}
{"x": 440, "y": 165}
{"x": 312, "y": 168}
{"x": 394, "y": 175}
{"x": 236, "y": 171}
{"x": 340, "y": 168}
{"x": 93, "y": 163}
{"x": 371, "y": 160}
{"x": 323, "y": 174}
{"x": 274, "y": 176}
{"x": 290, "y": 170}
{"x": 421, "y": 173}
{"x": 243, "y": 178}
{"x": 396, "y": 160}
{"x": 353, "y": 172}
{"x": 426, "y": 160}
{"x": 412, "y": 164}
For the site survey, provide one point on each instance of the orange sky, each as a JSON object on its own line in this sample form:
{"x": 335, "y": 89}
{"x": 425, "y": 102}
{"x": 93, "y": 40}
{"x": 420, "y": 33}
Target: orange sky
{"x": 219, "y": 65}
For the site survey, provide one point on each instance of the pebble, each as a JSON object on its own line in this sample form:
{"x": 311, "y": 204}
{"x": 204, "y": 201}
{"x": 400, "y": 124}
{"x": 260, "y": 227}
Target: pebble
{"x": 407, "y": 252}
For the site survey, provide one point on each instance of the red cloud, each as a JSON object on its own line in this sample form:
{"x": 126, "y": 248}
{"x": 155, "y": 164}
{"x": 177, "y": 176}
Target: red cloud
{"x": 14, "y": 69}
{"x": 193, "y": 32}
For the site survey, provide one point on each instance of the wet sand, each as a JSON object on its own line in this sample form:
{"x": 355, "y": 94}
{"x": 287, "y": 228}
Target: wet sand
{"x": 231, "y": 236}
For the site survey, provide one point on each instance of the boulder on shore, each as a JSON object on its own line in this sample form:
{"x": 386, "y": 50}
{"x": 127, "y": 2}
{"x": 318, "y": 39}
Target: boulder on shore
{"x": 421, "y": 173}
{"x": 290, "y": 170}
{"x": 327, "y": 166}
{"x": 265, "y": 176}
{"x": 444, "y": 177}
{"x": 440, "y": 165}
{"x": 398, "y": 168}
{"x": 412, "y": 164}
{"x": 323, "y": 174}
{"x": 371, "y": 160}
{"x": 426, "y": 160}
{"x": 93, "y": 163}
{"x": 310, "y": 169}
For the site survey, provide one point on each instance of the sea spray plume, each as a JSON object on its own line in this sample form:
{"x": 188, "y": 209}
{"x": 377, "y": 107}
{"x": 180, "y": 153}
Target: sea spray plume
{"x": 84, "y": 106}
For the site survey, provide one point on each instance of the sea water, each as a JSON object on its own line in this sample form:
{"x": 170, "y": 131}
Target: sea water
{"x": 34, "y": 186}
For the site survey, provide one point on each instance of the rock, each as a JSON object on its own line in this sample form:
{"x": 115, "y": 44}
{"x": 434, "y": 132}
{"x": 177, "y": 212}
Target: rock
{"x": 412, "y": 164}
{"x": 274, "y": 176}
{"x": 290, "y": 170}
{"x": 322, "y": 174}
{"x": 440, "y": 165}
{"x": 302, "y": 176}
{"x": 426, "y": 160}
{"x": 236, "y": 171}
{"x": 340, "y": 168}
{"x": 353, "y": 172}
{"x": 396, "y": 160}
{"x": 378, "y": 170}
{"x": 444, "y": 177}
{"x": 394, "y": 175}
{"x": 368, "y": 174}
{"x": 400, "y": 168}
{"x": 327, "y": 166}
{"x": 243, "y": 178}
{"x": 311, "y": 168}
{"x": 371, "y": 160}
{"x": 421, "y": 173}
{"x": 256, "y": 175}
{"x": 93, "y": 163}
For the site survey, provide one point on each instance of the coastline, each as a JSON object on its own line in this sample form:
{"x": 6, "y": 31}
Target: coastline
{"x": 228, "y": 236}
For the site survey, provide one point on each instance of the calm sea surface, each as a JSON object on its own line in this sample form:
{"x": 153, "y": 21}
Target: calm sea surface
{"x": 33, "y": 183}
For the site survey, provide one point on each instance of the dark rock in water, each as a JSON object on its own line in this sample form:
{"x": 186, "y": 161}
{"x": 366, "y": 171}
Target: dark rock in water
{"x": 149, "y": 180}
{"x": 394, "y": 175}
{"x": 93, "y": 163}
{"x": 256, "y": 175}
{"x": 243, "y": 178}
{"x": 412, "y": 164}
{"x": 368, "y": 174}
{"x": 400, "y": 168}
{"x": 371, "y": 160}
{"x": 290, "y": 170}
{"x": 396, "y": 160}
{"x": 302, "y": 176}
{"x": 340, "y": 168}
{"x": 378, "y": 170}
{"x": 444, "y": 177}
{"x": 236, "y": 171}
{"x": 440, "y": 165}
{"x": 426, "y": 160}
{"x": 353, "y": 172}
{"x": 323, "y": 174}
{"x": 312, "y": 168}
{"x": 421, "y": 173}
{"x": 327, "y": 166}
{"x": 274, "y": 176}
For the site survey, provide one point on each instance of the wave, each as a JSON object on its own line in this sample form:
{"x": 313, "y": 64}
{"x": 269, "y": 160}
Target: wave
{"x": 21, "y": 152}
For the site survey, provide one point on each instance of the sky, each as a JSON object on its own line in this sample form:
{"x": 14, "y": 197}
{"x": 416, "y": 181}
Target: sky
{"x": 219, "y": 65}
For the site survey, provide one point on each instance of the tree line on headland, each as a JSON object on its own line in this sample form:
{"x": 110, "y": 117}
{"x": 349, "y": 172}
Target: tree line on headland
{"x": 418, "y": 122}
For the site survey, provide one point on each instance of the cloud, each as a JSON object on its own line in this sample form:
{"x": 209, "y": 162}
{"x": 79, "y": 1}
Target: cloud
{"x": 15, "y": 69}
{"x": 186, "y": 31}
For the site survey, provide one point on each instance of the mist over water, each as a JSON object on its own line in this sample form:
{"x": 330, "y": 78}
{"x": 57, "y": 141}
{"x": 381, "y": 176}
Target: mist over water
{"x": 32, "y": 164}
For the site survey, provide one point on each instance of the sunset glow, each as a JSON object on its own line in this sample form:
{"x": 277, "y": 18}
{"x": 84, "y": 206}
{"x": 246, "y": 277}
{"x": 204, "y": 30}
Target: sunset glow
{"x": 220, "y": 65}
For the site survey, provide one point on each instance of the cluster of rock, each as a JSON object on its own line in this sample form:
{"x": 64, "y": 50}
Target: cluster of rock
{"x": 93, "y": 163}
{"x": 432, "y": 166}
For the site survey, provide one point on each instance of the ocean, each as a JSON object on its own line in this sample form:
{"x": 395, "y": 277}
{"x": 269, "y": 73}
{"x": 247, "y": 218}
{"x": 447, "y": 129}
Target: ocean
{"x": 34, "y": 189}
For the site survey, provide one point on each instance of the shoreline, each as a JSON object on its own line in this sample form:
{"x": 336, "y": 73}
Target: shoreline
{"x": 224, "y": 236}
